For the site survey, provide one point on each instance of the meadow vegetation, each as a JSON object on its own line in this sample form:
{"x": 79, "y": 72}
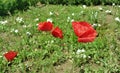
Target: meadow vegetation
{"x": 40, "y": 52}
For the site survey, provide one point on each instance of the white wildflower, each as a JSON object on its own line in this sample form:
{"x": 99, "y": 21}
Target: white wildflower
{"x": 28, "y": 33}
{"x": 113, "y": 4}
{"x": 117, "y": 19}
{"x": 49, "y": 20}
{"x": 37, "y": 24}
{"x": 19, "y": 19}
{"x": 36, "y": 50}
{"x": 81, "y": 12}
{"x": 72, "y": 20}
{"x": 84, "y": 6}
{"x": 89, "y": 57}
{"x": 37, "y": 19}
{"x": 73, "y": 14}
{"x": 97, "y": 62}
{"x": 80, "y": 51}
{"x": 99, "y": 25}
{"x": 68, "y": 18}
{"x": 51, "y": 13}
{"x": 108, "y": 11}
{"x": 94, "y": 25}
{"x": 4, "y": 22}
{"x": 100, "y": 8}
{"x": 24, "y": 26}
{"x": 52, "y": 41}
{"x": 83, "y": 55}
{"x": 16, "y": 31}
{"x": 1, "y": 56}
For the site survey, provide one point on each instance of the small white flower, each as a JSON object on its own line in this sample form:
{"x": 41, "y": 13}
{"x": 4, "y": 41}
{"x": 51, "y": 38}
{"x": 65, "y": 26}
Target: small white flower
{"x": 37, "y": 24}
{"x": 37, "y": 19}
{"x": 99, "y": 25}
{"x": 81, "y": 12}
{"x": 28, "y": 33}
{"x": 16, "y": 31}
{"x": 73, "y": 14}
{"x": 100, "y": 8}
{"x": 113, "y": 4}
{"x": 36, "y": 50}
{"x": 80, "y": 51}
{"x": 68, "y": 18}
{"x": 98, "y": 62}
{"x": 4, "y": 22}
{"x": 94, "y": 25}
{"x": 24, "y": 26}
{"x": 83, "y": 55}
{"x": 51, "y": 13}
{"x": 1, "y": 56}
{"x": 117, "y": 19}
{"x": 19, "y": 19}
{"x": 108, "y": 11}
{"x": 72, "y": 20}
{"x": 49, "y": 20}
{"x": 84, "y": 6}
{"x": 89, "y": 57}
{"x": 52, "y": 41}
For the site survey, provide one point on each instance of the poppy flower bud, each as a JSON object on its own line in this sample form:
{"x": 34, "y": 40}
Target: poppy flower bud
{"x": 45, "y": 26}
{"x": 10, "y": 55}
{"x": 57, "y": 32}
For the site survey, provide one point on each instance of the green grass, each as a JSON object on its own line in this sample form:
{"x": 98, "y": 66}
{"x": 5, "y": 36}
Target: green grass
{"x": 40, "y": 52}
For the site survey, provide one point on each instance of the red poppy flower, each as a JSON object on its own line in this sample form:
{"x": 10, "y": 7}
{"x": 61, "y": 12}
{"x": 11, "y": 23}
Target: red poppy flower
{"x": 10, "y": 55}
{"x": 57, "y": 32}
{"x": 45, "y": 26}
{"x": 84, "y": 31}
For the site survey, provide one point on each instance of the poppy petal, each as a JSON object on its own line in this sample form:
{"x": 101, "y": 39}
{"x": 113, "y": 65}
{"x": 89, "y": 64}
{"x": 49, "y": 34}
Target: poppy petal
{"x": 45, "y": 26}
{"x": 10, "y": 55}
{"x": 89, "y": 33}
{"x": 86, "y": 39}
{"x": 84, "y": 31}
{"x": 57, "y": 32}
{"x": 80, "y": 27}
